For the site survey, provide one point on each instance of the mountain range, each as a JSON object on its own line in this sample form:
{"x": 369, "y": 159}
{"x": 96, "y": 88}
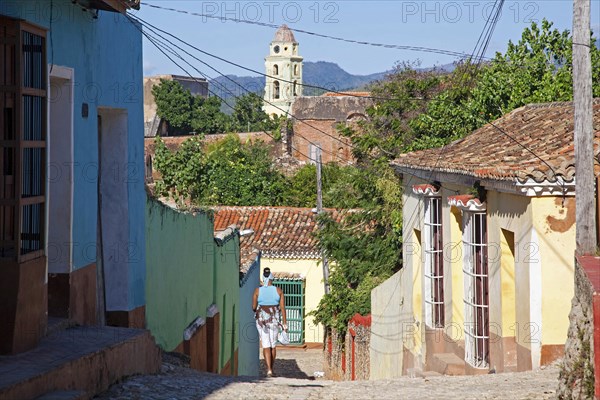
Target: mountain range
{"x": 323, "y": 74}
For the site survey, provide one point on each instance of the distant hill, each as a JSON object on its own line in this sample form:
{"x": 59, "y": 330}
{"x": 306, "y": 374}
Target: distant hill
{"x": 321, "y": 73}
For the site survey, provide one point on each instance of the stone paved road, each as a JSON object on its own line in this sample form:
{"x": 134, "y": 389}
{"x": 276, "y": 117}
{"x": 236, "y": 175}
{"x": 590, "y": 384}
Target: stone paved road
{"x": 178, "y": 382}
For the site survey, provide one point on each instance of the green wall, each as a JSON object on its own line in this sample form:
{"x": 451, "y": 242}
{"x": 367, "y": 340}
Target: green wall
{"x": 187, "y": 271}
{"x": 228, "y": 295}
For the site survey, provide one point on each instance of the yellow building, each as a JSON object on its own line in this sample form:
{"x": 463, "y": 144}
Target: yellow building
{"x": 489, "y": 241}
{"x": 285, "y": 238}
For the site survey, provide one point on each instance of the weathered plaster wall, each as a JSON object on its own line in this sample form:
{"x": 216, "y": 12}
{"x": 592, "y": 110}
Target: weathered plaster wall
{"x": 106, "y": 56}
{"x": 314, "y": 289}
{"x": 357, "y": 346}
{"x": 248, "y": 335}
{"x": 180, "y": 269}
{"x": 555, "y": 224}
{"x": 527, "y": 311}
{"x": 511, "y": 216}
{"x": 227, "y": 296}
{"x": 316, "y": 115}
{"x": 389, "y": 319}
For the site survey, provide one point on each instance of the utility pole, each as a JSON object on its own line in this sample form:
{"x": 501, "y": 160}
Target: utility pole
{"x": 585, "y": 235}
{"x": 319, "y": 211}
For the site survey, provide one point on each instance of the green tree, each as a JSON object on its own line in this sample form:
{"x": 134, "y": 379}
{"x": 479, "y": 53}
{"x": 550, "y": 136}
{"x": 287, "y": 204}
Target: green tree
{"x": 337, "y": 188}
{"x": 240, "y": 174}
{"x": 248, "y": 115}
{"x": 227, "y": 172}
{"x": 207, "y": 117}
{"x": 535, "y": 69}
{"x": 175, "y": 105}
{"x": 185, "y": 113}
{"x": 180, "y": 170}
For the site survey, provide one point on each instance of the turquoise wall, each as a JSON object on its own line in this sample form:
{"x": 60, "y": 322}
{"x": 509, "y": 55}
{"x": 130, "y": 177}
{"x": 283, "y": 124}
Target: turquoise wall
{"x": 180, "y": 271}
{"x": 227, "y": 268}
{"x": 106, "y": 55}
{"x": 187, "y": 271}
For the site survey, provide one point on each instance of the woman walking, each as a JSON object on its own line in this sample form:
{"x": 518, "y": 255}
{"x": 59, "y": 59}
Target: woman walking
{"x": 269, "y": 307}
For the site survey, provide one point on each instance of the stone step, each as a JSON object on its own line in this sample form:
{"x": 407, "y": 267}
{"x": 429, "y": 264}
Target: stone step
{"x": 81, "y": 358}
{"x": 431, "y": 374}
{"x": 448, "y": 364}
{"x": 64, "y": 395}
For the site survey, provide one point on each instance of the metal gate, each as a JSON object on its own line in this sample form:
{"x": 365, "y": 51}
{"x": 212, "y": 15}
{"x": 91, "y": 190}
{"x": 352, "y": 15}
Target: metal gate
{"x": 293, "y": 294}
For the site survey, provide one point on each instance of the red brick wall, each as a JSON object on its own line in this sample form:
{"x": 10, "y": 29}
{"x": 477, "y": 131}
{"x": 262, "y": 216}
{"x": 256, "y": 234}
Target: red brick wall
{"x": 324, "y": 132}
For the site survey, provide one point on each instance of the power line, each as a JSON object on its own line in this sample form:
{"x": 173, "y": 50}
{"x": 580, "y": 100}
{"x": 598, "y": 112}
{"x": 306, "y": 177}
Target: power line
{"x": 153, "y": 29}
{"x": 365, "y": 43}
{"x": 192, "y": 77}
{"x": 306, "y": 85}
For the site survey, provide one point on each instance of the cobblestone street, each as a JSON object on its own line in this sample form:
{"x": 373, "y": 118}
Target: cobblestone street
{"x": 296, "y": 381}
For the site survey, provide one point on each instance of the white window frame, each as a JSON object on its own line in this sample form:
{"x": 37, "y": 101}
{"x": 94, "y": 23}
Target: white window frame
{"x": 433, "y": 262}
{"x": 476, "y": 288}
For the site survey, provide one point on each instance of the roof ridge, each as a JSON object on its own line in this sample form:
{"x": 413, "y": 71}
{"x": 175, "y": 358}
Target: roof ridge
{"x": 550, "y": 104}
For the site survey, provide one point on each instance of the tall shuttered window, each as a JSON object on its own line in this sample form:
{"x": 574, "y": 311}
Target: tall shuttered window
{"x": 434, "y": 262}
{"x": 475, "y": 269}
{"x": 23, "y": 84}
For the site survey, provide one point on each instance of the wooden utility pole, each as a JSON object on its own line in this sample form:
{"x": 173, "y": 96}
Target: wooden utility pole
{"x": 319, "y": 211}
{"x": 584, "y": 143}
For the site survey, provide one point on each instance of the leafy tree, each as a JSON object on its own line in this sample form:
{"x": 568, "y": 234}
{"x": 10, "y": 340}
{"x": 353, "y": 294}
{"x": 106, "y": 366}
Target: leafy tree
{"x": 337, "y": 188}
{"x": 248, "y": 114}
{"x": 180, "y": 170}
{"x": 365, "y": 247}
{"x": 174, "y": 104}
{"x": 207, "y": 117}
{"x": 227, "y": 172}
{"x": 240, "y": 174}
{"x": 185, "y": 113}
{"x": 535, "y": 69}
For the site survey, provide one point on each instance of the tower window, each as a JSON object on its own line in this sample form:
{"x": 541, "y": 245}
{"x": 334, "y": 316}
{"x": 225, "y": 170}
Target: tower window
{"x": 295, "y": 88}
{"x": 296, "y": 69}
{"x": 276, "y": 89}
{"x": 275, "y": 69}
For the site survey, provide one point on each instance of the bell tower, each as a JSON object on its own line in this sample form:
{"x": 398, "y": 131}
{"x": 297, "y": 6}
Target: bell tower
{"x": 284, "y": 73}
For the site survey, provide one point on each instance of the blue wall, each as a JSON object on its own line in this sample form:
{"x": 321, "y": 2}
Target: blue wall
{"x": 106, "y": 55}
{"x": 248, "y": 358}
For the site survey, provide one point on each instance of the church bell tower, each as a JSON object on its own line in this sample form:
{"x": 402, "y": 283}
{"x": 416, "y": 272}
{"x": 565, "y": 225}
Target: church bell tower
{"x": 284, "y": 73}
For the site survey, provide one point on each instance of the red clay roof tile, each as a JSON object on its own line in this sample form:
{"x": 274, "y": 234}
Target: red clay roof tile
{"x": 545, "y": 129}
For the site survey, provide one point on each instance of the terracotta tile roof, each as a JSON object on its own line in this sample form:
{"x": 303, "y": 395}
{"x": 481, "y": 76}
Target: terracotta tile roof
{"x": 288, "y": 276}
{"x": 279, "y": 232}
{"x": 284, "y": 34}
{"x": 425, "y": 189}
{"x": 546, "y": 129}
{"x": 466, "y": 201}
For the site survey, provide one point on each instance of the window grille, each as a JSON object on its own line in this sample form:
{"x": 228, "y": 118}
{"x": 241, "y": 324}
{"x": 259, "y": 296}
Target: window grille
{"x": 476, "y": 289}
{"x": 23, "y": 116}
{"x": 434, "y": 263}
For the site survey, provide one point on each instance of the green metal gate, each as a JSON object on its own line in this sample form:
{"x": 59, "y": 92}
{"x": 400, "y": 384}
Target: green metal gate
{"x": 293, "y": 294}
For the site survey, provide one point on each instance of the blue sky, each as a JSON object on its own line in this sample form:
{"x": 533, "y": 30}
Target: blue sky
{"x": 450, "y": 25}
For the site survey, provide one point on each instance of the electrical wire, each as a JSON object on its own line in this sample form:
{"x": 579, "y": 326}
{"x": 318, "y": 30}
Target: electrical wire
{"x": 361, "y": 42}
{"x": 270, "y": 103}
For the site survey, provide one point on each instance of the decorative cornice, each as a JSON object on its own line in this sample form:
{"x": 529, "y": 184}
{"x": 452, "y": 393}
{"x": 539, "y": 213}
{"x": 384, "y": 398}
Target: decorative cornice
{"x": 426, "y": 190}
{"x": 467, "y": 202}
{"x": 533, "y": 188}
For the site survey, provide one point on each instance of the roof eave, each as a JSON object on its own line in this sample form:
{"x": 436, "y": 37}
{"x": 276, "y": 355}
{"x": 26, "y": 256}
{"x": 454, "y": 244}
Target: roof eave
{"x": 529, "y": 187}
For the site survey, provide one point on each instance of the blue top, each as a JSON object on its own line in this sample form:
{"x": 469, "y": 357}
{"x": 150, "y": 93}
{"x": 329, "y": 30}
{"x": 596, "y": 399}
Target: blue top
{"x": 268, "y": 296}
